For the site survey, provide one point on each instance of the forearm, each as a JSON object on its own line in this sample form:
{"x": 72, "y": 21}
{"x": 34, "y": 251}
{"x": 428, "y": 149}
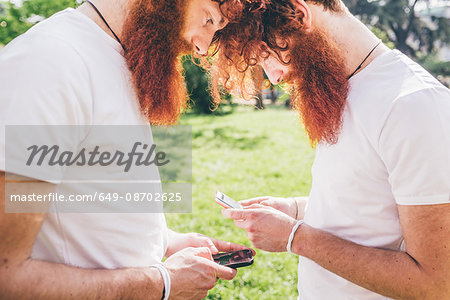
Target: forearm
{"x": 32, "y": 279}
{"x": 390, "y": 273}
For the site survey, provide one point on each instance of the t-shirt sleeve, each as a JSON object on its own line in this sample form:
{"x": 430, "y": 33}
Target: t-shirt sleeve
{"x": 415, "y": 147}
{"x": 43, "y": 81}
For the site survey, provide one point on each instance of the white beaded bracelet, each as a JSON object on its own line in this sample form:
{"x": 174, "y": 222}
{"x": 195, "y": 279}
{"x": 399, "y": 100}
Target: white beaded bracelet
{"x": 166, "y": 278}
{"x": 291, "y": 236}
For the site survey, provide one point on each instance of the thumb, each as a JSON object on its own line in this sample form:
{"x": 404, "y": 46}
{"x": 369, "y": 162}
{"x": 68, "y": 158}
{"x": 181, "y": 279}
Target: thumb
{"x": 253, "y": 200}
{"x": 257, "y": 205}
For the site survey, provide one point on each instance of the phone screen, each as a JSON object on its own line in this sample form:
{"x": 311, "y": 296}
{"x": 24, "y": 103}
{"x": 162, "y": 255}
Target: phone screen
{"x": 235, "y": 259}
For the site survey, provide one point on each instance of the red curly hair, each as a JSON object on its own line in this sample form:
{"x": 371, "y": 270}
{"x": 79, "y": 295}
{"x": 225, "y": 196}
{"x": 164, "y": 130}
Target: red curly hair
{"x": 250, "y": 22}
{"x": 258, "y": 28}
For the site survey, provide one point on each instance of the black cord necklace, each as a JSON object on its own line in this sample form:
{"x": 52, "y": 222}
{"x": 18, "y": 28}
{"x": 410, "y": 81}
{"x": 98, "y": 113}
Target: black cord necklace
{"x": 106, "y": 23}
{"x": 359, "y": 67}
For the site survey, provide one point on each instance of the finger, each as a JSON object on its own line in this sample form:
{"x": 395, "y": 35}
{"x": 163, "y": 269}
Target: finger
{"x": 225, "y": 272}
{"x": 204, "y": 252}
{"x": 210, "y": 244}
{"x": 201, "y": 240}
{"x": 206, "y": 241}
{"x": 225, "y": 246}
{"x": 253, "y": 200}
{"x": 213, "y": 247}
{"x": 267, "y": 203}
{"x": 235, "y": 214}
{"x": 257, "y": 206}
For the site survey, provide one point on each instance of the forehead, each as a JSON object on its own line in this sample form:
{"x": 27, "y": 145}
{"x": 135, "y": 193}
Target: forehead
{"x": 196, "y": 6}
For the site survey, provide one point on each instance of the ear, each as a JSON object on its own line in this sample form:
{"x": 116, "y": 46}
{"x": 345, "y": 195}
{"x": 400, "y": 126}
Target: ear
{"x": 304, "y": 12}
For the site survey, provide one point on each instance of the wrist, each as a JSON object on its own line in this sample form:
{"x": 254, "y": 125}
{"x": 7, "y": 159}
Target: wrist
{"x": 300, "y": 241}
{"x": 293, "y": 230}
{"x": 301, "y": 202}
{"x": 292, "y": 210}
{"x": 173, "y": 239}
{"x": 296, "y": 208}
{"x": 164, "y": 272}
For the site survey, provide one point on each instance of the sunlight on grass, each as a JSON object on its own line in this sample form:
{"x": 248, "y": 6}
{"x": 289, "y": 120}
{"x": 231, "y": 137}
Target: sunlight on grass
{"x": 246, "y": 154}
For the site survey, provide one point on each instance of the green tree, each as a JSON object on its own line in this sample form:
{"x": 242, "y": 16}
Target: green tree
{"x": 15, "y": 20}
{"x": 411, "y": 34}
{"x": 197, "y": 84}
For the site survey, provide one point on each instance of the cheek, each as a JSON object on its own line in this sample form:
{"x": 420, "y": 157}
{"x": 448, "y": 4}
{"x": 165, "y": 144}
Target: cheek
{"x": 272, "y": 64}
{"x": 285, "y": 69}
{"x": 190, "y": 29}
{"x": 270, "y": 67}
{"x": 187, "y": 32}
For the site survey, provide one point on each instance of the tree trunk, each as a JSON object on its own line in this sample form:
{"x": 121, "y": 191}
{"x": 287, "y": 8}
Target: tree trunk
{"x": 258, "y": 79}
{"x": 273, "y": 95}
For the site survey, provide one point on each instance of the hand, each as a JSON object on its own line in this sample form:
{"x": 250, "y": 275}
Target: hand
{"x": 179, "y": 241}
{"x": 193, "y": 272}
{"x": 266, "y": 227}
{"x": 285, "y": 205}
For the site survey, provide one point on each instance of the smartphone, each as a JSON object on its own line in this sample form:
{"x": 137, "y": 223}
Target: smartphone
{"x": 226, "y": 201}
{"x": 235, "y": 259}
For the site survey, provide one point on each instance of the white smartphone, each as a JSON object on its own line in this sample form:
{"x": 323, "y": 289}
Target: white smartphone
{"x": 226, "y": 201}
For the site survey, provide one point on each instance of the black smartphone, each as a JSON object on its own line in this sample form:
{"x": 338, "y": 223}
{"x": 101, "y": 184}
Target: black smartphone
{"x": 234, "y": 259}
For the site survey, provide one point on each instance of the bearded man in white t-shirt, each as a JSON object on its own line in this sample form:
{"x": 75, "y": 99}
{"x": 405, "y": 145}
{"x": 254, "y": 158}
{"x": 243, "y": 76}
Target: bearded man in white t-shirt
{"x": 109, "y": 62}
{"x": 376, "y": 224}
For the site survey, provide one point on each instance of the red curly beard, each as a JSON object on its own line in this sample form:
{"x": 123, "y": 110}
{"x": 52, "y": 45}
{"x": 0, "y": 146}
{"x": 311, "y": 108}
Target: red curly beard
{"x": 152, "y": 38}
{"x": 320, "y": 85}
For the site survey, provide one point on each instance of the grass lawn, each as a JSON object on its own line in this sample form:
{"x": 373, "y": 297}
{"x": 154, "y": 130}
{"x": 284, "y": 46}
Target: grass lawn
{"x": 245, "y": 154}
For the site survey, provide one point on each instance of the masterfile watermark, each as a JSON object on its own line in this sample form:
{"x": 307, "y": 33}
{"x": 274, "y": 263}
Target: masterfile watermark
{"x": 98, "y": 169}
{"x": 146, "y": 157}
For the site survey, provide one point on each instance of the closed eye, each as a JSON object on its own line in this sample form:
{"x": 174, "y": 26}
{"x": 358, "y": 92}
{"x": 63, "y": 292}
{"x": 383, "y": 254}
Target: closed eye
{"x": 209, "y": 20}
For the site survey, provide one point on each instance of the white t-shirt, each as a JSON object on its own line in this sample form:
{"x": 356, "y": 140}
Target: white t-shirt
{"x": 67, "y": 71}
{"x": 394, "y": 149}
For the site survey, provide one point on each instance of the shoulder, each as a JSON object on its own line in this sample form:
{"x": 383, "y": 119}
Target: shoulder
{"x": 44, "y": 73}
{"x": 393, "y": 87}
{"x": 423, "y": 114}
{"x": 42, "y": 48}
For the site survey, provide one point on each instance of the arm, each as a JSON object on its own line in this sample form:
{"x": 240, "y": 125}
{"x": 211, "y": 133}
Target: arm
{"x": 422, "y": 272}
{"x": 24, "y": 278}
{"x": 192, "y": 271}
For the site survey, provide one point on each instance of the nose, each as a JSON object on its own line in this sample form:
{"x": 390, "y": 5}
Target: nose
{"x": 275, "y": 76}
{"x": 273, "y": 71}
{"x": 201, "y": 44}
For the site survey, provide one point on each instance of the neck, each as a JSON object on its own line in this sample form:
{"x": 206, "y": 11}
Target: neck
{"x": 114, "y": 12}
{"x": 351, "y": 36}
